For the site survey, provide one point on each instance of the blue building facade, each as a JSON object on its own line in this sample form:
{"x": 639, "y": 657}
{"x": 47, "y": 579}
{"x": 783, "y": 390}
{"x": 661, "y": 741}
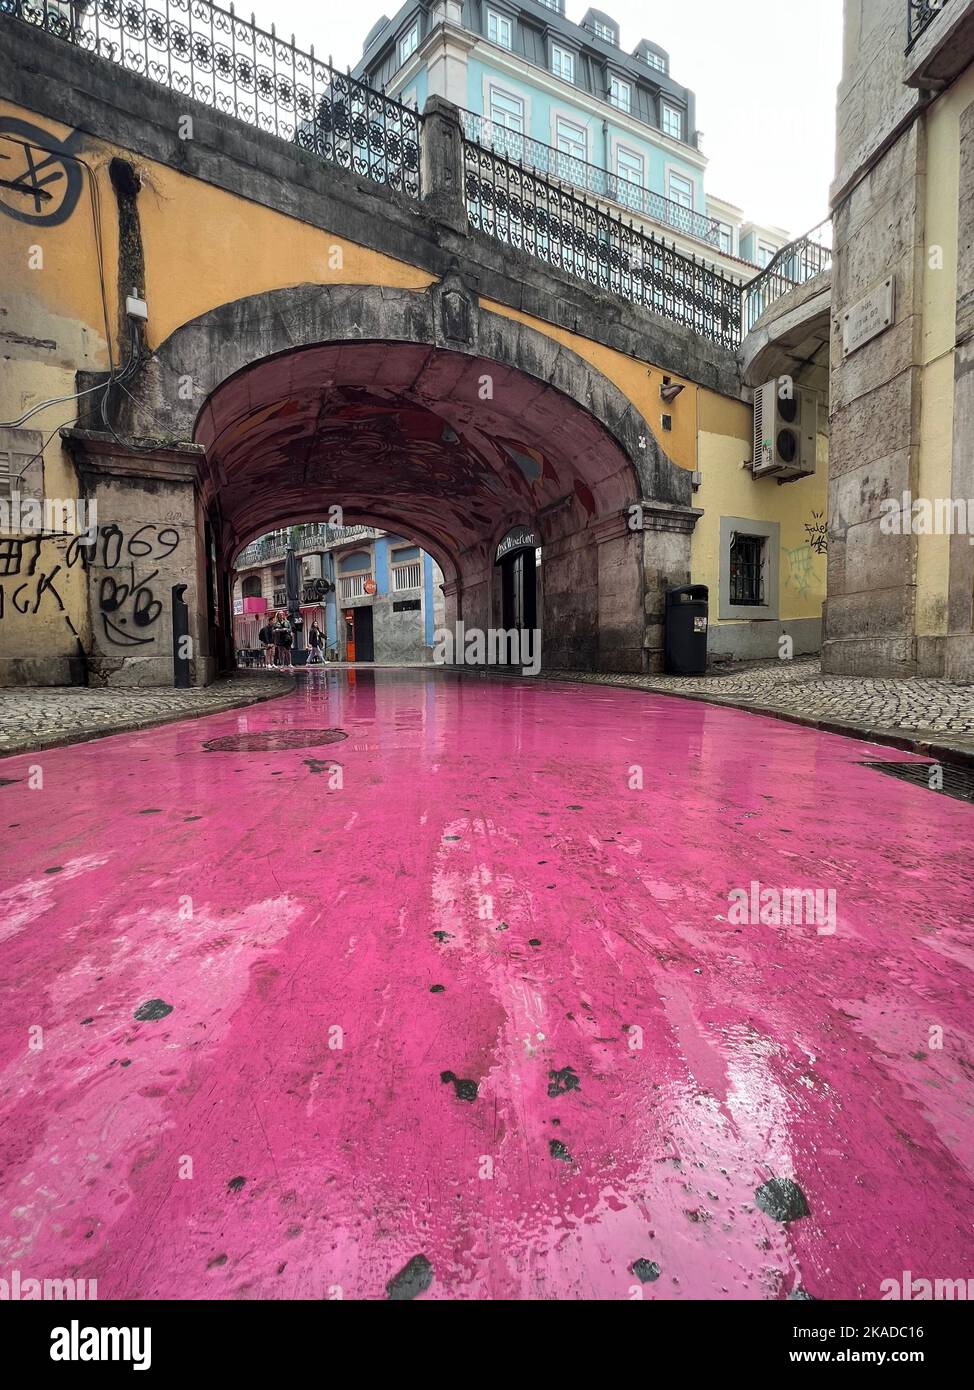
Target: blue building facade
{"x": 568, "y": 100}
{"x": 376, "y": 597}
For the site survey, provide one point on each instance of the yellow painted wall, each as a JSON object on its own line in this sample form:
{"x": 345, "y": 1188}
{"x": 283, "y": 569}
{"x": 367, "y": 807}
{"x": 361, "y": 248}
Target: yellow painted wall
{"x": 939, "y": 301}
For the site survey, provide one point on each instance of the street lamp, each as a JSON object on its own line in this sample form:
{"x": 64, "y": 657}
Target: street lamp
{"x": 292, "y": 584}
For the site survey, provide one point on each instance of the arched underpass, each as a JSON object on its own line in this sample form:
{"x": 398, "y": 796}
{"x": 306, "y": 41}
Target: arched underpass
{"x": 425, "y": 414}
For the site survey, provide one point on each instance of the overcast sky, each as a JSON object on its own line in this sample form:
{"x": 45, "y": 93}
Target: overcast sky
{"x": 764, "y": 71}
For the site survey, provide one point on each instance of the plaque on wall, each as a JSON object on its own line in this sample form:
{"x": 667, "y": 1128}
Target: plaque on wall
{"x": 868, "y": 317}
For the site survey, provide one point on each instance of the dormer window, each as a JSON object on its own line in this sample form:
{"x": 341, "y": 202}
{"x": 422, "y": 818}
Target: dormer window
{"x": 500, "y": 29}
{"x": 604, "y": 31}
{"x": 654, "y": 60}
{"x": 563, "y": 62}
{"x": 671, "y": 120}
{"x": 409, "y": 43}
{"x": 620, "y": 94}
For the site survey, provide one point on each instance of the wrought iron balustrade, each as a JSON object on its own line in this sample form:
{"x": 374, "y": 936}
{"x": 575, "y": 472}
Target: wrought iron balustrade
{"x": 548, "y": 220}
{"x": 801, "y": 260}
{"x": 213, "y": 56}
{"x": 312, "y": 536}
{"x": 920, "y": 14}
{"x": 589, "y": 178}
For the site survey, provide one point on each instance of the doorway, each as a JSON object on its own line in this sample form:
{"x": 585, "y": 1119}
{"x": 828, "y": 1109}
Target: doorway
{"x": 359, "y": 638}
{"x": 519, "y": 590}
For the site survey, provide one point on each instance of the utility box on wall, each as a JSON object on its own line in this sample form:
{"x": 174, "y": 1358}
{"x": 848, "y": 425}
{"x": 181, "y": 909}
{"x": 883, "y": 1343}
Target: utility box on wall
{"x": 785, "y": 431}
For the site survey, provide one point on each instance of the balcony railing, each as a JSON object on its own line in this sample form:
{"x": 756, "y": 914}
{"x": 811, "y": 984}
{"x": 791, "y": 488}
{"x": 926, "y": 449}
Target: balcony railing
{"x": 314, "y": 536}
{"x": 546, "y": 219}
{"x": 533, "y": 154}
{"x": 794, "y": 264}
{"x": 353, "y": 586}
{"x": 920, "y": 14}
{"x": 201, "y": 51}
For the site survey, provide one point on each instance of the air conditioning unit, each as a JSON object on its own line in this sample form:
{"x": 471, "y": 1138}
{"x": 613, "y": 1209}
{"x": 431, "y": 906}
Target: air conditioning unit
{"x": 785, "y": 430}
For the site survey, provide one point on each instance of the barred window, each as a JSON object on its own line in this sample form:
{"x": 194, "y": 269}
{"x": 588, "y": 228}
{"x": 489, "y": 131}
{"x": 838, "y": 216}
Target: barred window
{"x": 747, "y": 570}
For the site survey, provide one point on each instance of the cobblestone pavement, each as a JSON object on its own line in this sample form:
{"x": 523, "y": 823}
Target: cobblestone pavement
{"x": 46, "y": 716}
{"x": 924, "y": 713}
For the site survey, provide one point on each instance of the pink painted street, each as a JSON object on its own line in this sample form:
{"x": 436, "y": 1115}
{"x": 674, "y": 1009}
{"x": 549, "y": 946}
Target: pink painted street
{"x": 417, "y": 984}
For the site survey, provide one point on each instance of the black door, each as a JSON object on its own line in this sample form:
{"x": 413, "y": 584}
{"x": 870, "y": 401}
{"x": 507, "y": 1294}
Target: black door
{"x": 364, "y": 640}
{"x": 519, "y": 590}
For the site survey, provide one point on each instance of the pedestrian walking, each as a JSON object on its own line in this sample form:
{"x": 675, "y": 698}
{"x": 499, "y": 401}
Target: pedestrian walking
{"x": 285, "y": 640}
{"x": 316, "y": 641}
{"x": 266, "y": 639}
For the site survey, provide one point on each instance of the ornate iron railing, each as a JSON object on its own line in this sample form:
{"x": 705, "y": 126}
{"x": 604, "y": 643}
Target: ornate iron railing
{"x": 211, "y": 55}
{"x": 920, "y": 14}
{"x": 548, "y": 220}
{"x": 312, "y": 536}
{"x": 794, "y": 264}
{"x": 533, "y": 154}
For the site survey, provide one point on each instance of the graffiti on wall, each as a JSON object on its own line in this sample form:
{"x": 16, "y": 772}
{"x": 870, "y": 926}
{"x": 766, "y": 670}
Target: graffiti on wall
{"x": 126, "y": 567}
{"x": 28, "y": 583}
{"x": 40, "y": 180}
{"x": 817, "y": 533}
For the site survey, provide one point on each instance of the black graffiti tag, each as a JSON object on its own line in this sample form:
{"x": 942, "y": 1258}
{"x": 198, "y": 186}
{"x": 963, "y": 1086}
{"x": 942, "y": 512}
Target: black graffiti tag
{"x": 40, "y": 181}
{"x": 134, "y": 601}
{"x": 127, "y": 604}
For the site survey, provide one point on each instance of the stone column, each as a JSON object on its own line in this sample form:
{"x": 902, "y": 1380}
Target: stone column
{"x": 667, "y": 534}
{"x": 149, "y": 538}
{"x": 959, "y": 656}
{"x": 441, "y": 164}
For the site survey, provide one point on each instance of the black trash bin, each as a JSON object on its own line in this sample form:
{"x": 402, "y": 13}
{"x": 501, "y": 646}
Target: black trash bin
{"x": 686, "y": 630}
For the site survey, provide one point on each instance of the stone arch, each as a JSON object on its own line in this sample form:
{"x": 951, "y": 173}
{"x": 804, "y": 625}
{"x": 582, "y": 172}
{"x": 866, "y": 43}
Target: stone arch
{"x": 278, "y": 388}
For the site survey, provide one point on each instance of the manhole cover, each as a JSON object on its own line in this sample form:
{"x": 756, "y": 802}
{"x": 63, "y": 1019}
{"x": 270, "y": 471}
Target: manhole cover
{"x": 274, "y": 740}
{"x": 957, "y": 782}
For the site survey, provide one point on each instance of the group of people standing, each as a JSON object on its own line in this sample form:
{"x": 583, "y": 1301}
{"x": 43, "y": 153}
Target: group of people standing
{"x": 277, "y": 639}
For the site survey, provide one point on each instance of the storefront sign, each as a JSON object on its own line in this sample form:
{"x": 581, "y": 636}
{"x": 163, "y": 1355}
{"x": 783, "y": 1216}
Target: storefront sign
{"x": 517, "y": 538}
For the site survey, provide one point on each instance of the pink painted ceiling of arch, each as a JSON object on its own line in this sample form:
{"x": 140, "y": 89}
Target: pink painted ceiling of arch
{"x": 401, "y": 428}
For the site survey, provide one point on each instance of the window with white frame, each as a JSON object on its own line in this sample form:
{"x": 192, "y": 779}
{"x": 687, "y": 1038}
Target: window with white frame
{"x": 507, "y": 112}
{"x": 355, "y": 571}
{"x": 500, "y": 29}
{"x": 631, "y": 171}
{"x": 653, "y": 60}
{"x": 766, "y": 254}
{"x": 620, "y": 94}
{"x": 563, "y": 62}
{"x": 407, "y": 570}
{"x": 671, "y": 121}
{"x": 725, "y": 235}
{"x": 604, "y": 31}
{"x": 571, "y": 139}
{"x": 409, "y": 43}
{"x": 679, "y": 189}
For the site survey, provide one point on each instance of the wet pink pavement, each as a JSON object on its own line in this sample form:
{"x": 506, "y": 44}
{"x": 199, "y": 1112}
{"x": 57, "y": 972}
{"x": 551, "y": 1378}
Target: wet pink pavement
{"x": 487, "y": 896}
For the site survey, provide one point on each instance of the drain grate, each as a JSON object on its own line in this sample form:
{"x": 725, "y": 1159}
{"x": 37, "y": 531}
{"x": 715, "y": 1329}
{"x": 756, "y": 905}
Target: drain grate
{"x": 957, "y": 782}
{"x": 274, "y": 740}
